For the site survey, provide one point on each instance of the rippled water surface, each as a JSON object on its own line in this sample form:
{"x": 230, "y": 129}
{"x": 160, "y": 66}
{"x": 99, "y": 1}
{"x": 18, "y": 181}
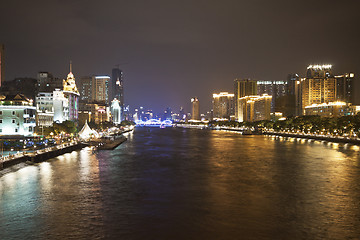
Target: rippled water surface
{"x": 187, "y": 184}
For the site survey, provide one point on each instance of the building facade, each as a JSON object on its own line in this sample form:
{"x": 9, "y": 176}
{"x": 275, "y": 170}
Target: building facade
{"x": 319, "y": 86}
{"x": 195, "y": 109}
{"x": 17, "y": 116}
{"x": 254, "y": 108}
{"x": 242, "y": 88}
{"x": 45, "y": 109}
{"x": 223, "y": 106}
{"x": 345, "y": 87}
{"x": 100, "y": 87}
{"x": 331, "y": 109}
{"x": 117, "y": 87}
{"x": 276, "y": 89}
{"x": 85, "y": 88}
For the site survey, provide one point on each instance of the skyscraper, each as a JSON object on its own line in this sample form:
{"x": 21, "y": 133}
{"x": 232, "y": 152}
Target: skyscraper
{"x": 242, "y": 88}
{"x": 344, "y": 87}
{"x": 99, "y": 86}
{"x": 116, "y": 89}
{"x": 195, "y": 110}
{"x": 319, "y": 85}
{"x": 276, "y": 89}
{"x": 85, "y": 88}
{"x": 2, "y": 64}
{"x": 223, "y": 105}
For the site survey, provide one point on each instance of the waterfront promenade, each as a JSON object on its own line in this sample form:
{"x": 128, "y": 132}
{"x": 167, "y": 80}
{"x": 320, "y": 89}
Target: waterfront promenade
{"x": 39, "y": 155}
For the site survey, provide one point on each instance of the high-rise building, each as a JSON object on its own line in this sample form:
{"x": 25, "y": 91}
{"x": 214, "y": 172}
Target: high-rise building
{"x": 254, "y": 108}
{"x": 319, "y": 86}
{"x": 2, "y": 64}
{"x": 85, "y": 88}
{"x": 223, "y": 105}
{"x": 276, "y": 89}
{"x": 99, "y": 89}
{"x": 117, "y": 88}
{"x": 344, "y": 87}
{"x": 242, "y": 88}
{"x": 195, "y": 110}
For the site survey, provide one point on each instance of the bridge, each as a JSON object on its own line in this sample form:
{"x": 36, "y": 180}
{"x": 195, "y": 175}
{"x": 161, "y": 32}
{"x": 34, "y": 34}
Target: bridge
{"x": 154, "y": 123}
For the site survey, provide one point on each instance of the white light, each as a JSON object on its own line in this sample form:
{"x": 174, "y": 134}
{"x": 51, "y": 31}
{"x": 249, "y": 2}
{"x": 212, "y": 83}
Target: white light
{"x": 97, "y": 77}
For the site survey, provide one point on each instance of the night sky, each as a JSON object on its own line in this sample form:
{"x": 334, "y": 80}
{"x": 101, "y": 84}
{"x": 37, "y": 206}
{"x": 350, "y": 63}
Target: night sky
{"x": 171, "y": 51}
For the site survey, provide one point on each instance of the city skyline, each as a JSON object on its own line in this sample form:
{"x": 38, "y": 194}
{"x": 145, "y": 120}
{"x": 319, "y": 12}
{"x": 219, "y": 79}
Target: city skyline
{"x": 161, "y": 46}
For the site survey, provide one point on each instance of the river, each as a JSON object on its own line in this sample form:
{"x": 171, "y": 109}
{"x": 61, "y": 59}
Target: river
{"x": 178, "y": 183}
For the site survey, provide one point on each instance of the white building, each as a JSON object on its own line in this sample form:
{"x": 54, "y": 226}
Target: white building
{"x": 116, "y": 111}
{"x": 17, "y": 116}
{"x": 45, "y": 109}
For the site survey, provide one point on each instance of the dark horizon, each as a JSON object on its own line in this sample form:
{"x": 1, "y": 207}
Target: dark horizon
{"x": 172, "y": 51}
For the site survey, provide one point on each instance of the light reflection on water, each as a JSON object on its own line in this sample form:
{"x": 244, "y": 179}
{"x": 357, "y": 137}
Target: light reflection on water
{"x": 188, "y": 183}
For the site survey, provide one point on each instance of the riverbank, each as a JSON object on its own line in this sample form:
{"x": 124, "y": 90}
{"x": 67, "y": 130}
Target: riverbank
{"x": 39, "y": 155}
{"x": 316, "y": 137}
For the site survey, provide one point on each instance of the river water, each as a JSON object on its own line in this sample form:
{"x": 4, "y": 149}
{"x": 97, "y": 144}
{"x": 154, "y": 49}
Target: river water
{"x": 188, "y": 184}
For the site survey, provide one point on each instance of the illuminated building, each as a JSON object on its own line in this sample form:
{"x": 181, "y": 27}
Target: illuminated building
{"x": 17, "y": 115}
{"x": 223, "y": 105}
{"x": 2, "y": 64}
{"x": 319, "y": 86}
{"x": 331, "y": 109}
{"x": 242, "y": 88}
{"x": 94, "y": 112}
{"x": 276, "y": 89}
{"x": 85, "y": 88}
{"x": 72, "y": 94}
{"x": 115, "y": 111}
{"x": 45, "y": 109}
{"x": 116, "y": 89}
{"x": 254, "y": 108}
{"x": 195, "y": 109}
{"x": 66, "y": 101}
{"x": 61, "y": 106}
{"x": 100, "y": 89}
{"x": 344, "y": 87}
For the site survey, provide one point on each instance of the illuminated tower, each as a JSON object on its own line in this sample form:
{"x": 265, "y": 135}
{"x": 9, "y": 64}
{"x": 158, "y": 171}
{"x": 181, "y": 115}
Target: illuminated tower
{"x": 195, "y": 110}
{"x": 319, "y": 85}
{"x": 2, "y": 64}
{"x": 116, "y": 89}
{"x": 71, "y": 94}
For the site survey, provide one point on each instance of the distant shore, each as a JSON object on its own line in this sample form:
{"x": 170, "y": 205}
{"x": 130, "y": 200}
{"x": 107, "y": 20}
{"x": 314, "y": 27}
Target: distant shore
{"x": 336, "y": 139}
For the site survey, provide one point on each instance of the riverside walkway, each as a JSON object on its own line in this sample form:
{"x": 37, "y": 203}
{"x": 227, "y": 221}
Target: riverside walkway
{"x": 39, "y": 155}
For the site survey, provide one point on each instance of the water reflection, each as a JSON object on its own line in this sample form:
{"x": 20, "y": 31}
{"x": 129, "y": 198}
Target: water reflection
{"x": 188, "y": 183}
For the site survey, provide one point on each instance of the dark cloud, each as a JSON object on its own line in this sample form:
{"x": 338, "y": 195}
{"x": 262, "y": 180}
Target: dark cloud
{"x": 178, "y": 49}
